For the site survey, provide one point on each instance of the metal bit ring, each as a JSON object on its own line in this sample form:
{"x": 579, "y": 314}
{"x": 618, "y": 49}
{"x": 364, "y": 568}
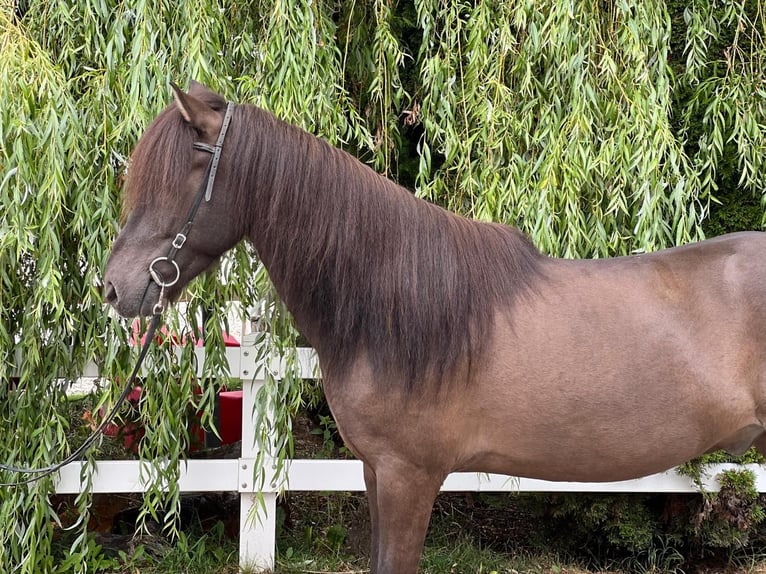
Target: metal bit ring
{"x": 158, "y": 278}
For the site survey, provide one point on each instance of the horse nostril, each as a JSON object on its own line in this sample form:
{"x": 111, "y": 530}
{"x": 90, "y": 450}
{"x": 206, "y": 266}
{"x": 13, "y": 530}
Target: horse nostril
{"x": 110, "y": 293}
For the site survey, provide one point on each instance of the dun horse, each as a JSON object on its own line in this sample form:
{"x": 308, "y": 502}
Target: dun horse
{"x": 448, "y": 344}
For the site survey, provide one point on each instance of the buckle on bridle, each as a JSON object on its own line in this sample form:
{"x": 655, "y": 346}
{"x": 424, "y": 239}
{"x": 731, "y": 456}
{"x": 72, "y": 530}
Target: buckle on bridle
{"x": 178, "y": 242}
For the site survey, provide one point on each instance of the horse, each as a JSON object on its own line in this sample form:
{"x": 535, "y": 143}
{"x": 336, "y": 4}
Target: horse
{"x": 448, "y": 344}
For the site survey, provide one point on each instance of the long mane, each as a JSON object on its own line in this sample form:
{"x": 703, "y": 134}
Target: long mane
{"x": 366, "y": 268}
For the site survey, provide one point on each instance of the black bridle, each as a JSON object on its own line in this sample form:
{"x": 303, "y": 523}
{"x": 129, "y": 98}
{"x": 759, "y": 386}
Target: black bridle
{"x": 205, "y": 191}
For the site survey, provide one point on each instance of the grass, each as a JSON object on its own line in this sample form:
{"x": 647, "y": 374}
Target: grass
{"x": 318, "y": 533}
{"x": 327, "y": 534}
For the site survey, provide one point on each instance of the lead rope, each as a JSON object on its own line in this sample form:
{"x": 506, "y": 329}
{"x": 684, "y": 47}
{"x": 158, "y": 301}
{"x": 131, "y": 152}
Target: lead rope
{"x": 40, "y": 473}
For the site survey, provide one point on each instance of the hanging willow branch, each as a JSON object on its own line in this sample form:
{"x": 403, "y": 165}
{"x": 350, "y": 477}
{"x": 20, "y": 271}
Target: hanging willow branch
{"x": 556, "y": 116}
{"x": 553, "y": 116}
{"x": 728, "y": 91}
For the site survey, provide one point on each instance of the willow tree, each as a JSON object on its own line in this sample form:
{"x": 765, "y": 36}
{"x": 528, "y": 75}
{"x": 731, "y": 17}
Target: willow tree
{"x": 572, "y": 120}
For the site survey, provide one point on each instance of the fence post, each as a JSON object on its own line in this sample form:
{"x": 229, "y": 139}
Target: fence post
{"x": 257, "y": 534}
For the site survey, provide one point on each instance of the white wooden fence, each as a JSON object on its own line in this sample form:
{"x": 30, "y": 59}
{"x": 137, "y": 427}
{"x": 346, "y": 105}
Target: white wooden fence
{"x": 257, "y": 538}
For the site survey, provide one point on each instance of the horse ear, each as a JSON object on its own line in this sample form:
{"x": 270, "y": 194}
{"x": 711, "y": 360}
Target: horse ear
{"x": 198, "y": 89}
{"x": 196, "y": 112}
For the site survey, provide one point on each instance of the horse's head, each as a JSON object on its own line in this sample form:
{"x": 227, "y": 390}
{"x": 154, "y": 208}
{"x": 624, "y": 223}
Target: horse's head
{"x": 169, "y": 181}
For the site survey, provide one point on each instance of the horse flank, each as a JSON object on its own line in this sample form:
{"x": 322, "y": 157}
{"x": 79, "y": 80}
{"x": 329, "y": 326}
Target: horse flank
{"x": 365, "y": 268}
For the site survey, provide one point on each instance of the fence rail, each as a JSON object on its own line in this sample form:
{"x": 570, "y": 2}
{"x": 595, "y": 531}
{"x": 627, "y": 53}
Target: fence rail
{"x": 258, "y": 537}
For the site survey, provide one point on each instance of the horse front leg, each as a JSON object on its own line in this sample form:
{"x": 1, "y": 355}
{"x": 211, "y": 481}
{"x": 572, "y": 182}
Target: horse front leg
{"x": 371, "y": 483}
{"x": 404, "y": 497}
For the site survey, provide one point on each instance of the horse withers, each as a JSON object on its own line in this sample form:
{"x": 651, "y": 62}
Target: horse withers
{"x": 448, "y": 344}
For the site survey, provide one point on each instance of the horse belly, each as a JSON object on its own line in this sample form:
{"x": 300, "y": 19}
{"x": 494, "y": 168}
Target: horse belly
{"x": 602, "y": 441}
{"x": 620, "y": 401}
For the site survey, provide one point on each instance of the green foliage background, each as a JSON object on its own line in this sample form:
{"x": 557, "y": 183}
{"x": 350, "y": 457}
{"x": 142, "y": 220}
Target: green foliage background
{"x": 599, "y": 127}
